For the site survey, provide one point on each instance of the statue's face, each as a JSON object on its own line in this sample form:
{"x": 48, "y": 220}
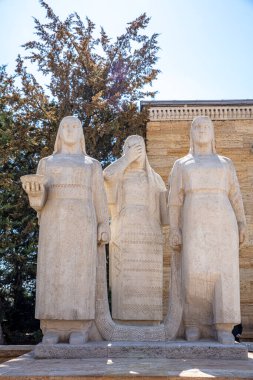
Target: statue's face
{"x": 71, "y": 131}
{"x": 202, "y": 132}
{"x": 138, "y": 141}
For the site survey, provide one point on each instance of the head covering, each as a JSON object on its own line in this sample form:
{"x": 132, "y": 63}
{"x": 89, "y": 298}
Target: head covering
{"x": 156, "y": 184}
{"x": 152, "y": 175}
{"x": 197, "y": 121}
{"x": 58, "y": 140}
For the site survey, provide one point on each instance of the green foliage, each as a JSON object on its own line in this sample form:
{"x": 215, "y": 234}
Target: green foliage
{"x": 94, "y": 78}
{"x": 18, "y": 227}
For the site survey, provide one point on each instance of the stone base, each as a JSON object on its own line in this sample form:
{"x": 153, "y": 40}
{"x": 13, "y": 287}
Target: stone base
{"x": 27, "y": 368}
{"x": 143, "y": 350}
{"x": 249, "y": 346}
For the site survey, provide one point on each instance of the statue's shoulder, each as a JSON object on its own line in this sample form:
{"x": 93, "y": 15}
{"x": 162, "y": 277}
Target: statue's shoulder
{"x": 41, "y": 169}
{"x": 183, "y": 160}
{"x": 93, "y": 162}
{"x": 43, "y": 161}
{"x": 225, "y": 160}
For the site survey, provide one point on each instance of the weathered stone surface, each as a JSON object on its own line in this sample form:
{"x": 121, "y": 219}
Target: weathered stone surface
{"x": 249, "y": 346}
{"x": 69, "y": 351}
{"x": 172, "y": 350}
{"x": 68, "y": 194}
{"x": 112, "y": 331}
{"x": 27, "y": 368}
{"x": 205, "y": 350}
{"x": 163, "y": 136}
{"x": 136, "y": 350}
{"x": 136, "y": 249}
{"x": 149, "y": 200}
{"x": 10, "y": 350}
{"x": 207, "y": 224}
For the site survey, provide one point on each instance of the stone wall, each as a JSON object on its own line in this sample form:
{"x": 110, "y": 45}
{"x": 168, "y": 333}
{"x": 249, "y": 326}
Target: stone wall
{"x": 168, "y": 140}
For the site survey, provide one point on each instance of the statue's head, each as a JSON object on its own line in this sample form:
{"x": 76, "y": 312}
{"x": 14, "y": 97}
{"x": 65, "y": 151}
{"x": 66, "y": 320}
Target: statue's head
{"x": 133, "y": 140}
{"x": 70, "y": 132}
{"x": 202, "y": 133}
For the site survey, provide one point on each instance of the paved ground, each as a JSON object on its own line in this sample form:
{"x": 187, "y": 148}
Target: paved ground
{"x": 8, "y": 352}
{"x": 27, "y": 368}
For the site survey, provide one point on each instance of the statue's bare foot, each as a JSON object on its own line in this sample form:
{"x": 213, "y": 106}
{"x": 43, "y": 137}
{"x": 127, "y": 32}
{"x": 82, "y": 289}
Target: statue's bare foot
{"x": 78, "y": 337}
{"x": 50, "y": 337}
{"x": 192, "y": 333}
{"x": 225, "y": 337}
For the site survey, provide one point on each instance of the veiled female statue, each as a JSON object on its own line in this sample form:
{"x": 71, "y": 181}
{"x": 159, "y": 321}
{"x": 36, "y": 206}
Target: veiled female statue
{"x": 207, "y": 223}
{"x": 134, "y": 192}
{"x": 68, "y": 194}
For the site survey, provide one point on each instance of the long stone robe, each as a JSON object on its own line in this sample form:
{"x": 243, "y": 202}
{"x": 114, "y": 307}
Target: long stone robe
{"x": 136, "y": 248}
{"x": 75, "y": 205}
{"x": 207, "y": 190}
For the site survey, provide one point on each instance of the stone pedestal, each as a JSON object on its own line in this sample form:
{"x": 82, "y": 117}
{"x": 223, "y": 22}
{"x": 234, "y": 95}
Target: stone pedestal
{"x": 143, "y": 350}
{"x": 28, "y": 368}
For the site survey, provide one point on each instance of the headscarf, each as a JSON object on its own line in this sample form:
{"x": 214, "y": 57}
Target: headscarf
{"x": 197, "y": 121}
{"x": 155, "y": 182}
{"x": 58, "y": 142}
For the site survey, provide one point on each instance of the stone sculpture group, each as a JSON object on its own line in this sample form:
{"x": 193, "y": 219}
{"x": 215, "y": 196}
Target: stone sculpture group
{"x": 203, "y": 207}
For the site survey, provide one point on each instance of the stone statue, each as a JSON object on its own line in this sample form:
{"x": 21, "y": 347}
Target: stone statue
{"x": 134, "y": 193}
{"x": 68, "y": 194}
{"x": 207, "y": 221}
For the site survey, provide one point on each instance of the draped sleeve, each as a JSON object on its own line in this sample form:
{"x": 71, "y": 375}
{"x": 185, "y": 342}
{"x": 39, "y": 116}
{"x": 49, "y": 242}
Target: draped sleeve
{"x": 176, "y": 189}
{"x": 99, "y": 195}
{"x": 235, "y": 195}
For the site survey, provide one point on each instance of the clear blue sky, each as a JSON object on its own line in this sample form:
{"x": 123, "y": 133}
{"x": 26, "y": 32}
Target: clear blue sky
{"x": 206, "y": 45}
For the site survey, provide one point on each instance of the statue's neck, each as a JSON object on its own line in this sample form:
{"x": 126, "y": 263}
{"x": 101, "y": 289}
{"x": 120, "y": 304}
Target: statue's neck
{"x": 203, "y": 149}
{"x": 71, "y": 149}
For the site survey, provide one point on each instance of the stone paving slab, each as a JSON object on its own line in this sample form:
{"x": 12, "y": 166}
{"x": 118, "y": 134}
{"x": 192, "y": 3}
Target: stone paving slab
{"x": 7, "y": 351}
{"x": 27, "y": 367}
{"x": 249, "y": 345}
{"x": 162, "y": 350}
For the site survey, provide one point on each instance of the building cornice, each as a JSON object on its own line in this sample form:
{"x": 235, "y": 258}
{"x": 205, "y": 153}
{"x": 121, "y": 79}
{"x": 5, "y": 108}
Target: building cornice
{"x": 186, "y": 110}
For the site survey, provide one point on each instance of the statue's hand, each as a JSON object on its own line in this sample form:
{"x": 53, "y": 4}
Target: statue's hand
{"x": 175, "y": 239}
{"x": 242, "y": 233}
{"x": 103, "y": 234}
{"x": 35, "y": 186}
{"x": 33, "y": 189}
{"x": 134, "y": 152}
